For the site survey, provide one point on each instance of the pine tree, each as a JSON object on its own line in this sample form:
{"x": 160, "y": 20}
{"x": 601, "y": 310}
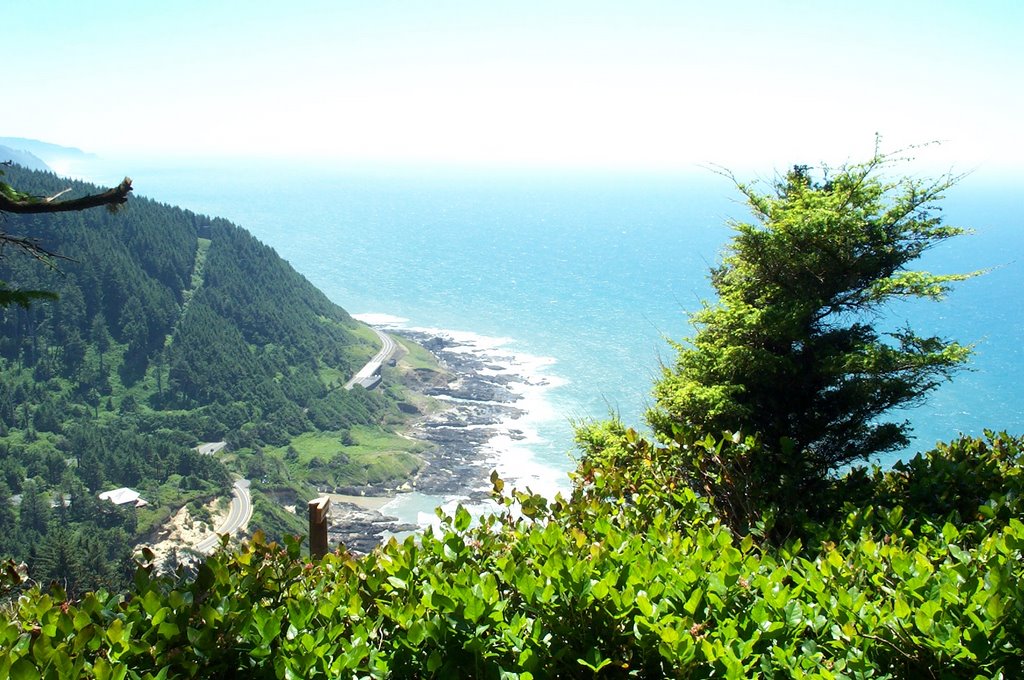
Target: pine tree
{"x": 790, "y": 351}
{"x": 8, "y": 520}
{"x": 34, "y": 512}
{"x": 56, "y": 560}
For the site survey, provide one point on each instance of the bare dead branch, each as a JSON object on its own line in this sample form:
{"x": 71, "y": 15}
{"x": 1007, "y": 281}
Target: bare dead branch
{"x": 32, "y": 247}
{"x": 57, "y": 195}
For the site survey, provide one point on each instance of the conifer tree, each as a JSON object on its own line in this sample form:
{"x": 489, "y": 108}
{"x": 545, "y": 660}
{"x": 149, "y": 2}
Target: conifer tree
{"x": 56, "y": 560}
{"x": 8, "y": 522}
{"x": 34, "y": 512}
{"x": 791, "y": 351}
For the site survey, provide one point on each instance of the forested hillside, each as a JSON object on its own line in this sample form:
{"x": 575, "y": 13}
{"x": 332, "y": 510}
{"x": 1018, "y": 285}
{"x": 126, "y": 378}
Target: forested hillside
{"x": 170, "y": 329}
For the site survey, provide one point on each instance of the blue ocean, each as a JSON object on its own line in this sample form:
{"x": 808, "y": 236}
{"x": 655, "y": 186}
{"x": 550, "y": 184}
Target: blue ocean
{"x": 592, "y": 274}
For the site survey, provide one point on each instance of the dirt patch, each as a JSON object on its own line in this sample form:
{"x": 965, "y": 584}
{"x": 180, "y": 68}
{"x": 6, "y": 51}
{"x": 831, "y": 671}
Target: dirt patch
{"x": 182, "y": 532}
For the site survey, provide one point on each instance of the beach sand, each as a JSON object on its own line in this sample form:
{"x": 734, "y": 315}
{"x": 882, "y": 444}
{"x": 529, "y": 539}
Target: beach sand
{"x": 364, "y": 502}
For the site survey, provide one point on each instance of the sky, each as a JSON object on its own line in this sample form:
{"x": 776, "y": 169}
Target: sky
{"x": 639, "y": 85}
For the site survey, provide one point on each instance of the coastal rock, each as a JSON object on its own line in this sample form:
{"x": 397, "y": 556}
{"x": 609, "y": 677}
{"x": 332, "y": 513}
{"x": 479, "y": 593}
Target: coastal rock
{"x": 407, "y": 408}
{"x": 361, "y": 530}
{"x": 480, "y": 400}
{"x": 480, "y": 403}
{"x": 475, "y": 388}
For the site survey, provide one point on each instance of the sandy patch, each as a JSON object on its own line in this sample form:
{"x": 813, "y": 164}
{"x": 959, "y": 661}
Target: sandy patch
{"x": 181, "y": 532}
{"x": 364, "y": 502}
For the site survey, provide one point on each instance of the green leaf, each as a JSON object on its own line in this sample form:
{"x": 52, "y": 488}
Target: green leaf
{"x": 115, "y": 632}
{"x": 693, "y": 602}
{"x": 949, "y": 532}
{"x": 475, "y": 608}
{"x": 594, "y": 660}
{"x": 417, "y": 633}
{"x": 462, "y": 518}
{"x": 900, "y": 608}
{"x": 101, "y": 669}
{"x": 669, "y": 634}
{"x": 644, "y": 604}
{"x": 24, "y": 669}
{"x": 793, "y": 614}
{"x": 994, "y": 607}
{"x": 923, "y": 621}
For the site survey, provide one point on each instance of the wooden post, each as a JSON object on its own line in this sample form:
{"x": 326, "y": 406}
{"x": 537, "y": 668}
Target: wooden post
{"x": 318, "y": 509}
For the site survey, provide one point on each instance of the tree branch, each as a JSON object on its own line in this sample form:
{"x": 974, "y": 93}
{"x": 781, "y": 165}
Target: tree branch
{"x": 111, "y": 198}
{"x": 32, "y": 247}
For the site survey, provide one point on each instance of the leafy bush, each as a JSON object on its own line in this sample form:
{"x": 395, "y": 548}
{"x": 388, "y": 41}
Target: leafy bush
{"x": 634, "y": 584}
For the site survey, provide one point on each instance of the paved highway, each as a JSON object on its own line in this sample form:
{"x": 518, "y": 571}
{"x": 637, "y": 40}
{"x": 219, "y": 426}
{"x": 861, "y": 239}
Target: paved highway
{"x": 238, "y": 517}
{"x": 210, "y": 448}
{"x": 368, "y": 374}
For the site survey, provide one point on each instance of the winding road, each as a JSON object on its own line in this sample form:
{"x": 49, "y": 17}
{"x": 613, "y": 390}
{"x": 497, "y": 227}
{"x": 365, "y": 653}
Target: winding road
{"x": 241, "y": 502}
{"x": 369, "y": 375}
{"x": 238, "y": 517}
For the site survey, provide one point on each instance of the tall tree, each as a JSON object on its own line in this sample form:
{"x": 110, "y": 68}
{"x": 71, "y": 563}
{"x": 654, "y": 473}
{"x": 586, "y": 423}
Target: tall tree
{"x": 34, "y": 512}
{"x": 100, "y": 338}
{"x": 56, "y": 559}
{"x": 791, "y": 352}
{"x": 8, "y": 522}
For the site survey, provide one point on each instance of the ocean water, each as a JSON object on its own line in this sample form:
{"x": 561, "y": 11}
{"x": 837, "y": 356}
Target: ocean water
{"x": 583, "y": 277}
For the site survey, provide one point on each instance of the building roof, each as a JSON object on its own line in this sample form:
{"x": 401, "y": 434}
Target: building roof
{"x": 123, "y": 496}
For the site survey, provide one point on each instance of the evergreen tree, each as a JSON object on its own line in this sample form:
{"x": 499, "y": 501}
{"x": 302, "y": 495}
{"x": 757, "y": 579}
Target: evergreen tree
{"x": 90, "y": 468}
{"x": 34, "y": 513}
{"x": 8, "y": 521}
{"x": 84, "y": 506}
{"x": 791, "y": 352}
{"x": 100, "y": 338}
{"x": 94, "y": 567}
{"x": 55, "y": 559}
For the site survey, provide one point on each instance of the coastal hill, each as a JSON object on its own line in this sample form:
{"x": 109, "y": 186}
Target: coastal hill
{"x": 44, "y": 151}
{"x": 170, "y": 329}
{"x": 188, "y": 314}
{"x": 25, "y": 159}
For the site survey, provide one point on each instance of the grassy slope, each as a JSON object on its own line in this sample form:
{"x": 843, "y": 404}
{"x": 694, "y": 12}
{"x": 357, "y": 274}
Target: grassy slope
{"x": 374, "y": 459}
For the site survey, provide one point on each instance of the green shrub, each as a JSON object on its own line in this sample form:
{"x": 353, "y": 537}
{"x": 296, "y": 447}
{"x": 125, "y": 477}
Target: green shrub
{"x": 622, "y": 585}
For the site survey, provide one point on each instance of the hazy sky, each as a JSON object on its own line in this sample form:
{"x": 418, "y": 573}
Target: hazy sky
{"x": 634, "y": 84}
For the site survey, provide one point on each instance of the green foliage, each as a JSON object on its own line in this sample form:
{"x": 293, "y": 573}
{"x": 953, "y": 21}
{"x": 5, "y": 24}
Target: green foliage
{"x": 10, "y": 192}
{"x": 611, "y": 585}
{"x": 963, "y": 480}
{"x": 8, "y": 296}
{"x": 189, "y": 314}
{"x": 790, "y": 352}
{"x": 669, "y": 559}
{"x": 166, "y": 329}
{"x": 23, "y": 298}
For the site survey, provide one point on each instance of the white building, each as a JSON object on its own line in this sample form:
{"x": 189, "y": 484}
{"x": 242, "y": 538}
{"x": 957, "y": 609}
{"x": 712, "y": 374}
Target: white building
{"x": 123, "y": 496}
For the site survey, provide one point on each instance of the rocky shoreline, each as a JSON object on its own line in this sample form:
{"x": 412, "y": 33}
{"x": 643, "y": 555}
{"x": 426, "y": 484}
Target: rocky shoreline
{"x": 480, "y": 404}
{"x": 361, "y": 529}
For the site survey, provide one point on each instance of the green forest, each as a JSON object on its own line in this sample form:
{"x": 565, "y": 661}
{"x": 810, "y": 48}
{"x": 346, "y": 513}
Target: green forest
{"x": 740, "y": 534}
{"x": 168, "y": 329}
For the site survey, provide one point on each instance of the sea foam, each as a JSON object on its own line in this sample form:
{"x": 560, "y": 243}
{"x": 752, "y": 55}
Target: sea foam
{"x": 511, "y": 448}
